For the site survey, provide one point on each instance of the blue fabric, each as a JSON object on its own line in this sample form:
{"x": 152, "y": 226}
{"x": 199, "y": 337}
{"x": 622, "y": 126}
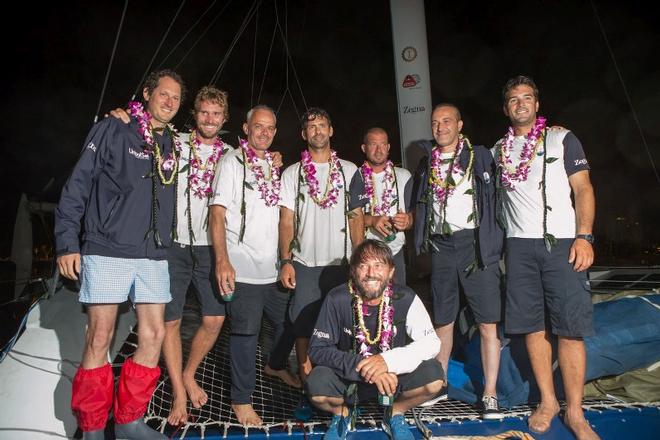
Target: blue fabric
{"x": 627, "y": 338}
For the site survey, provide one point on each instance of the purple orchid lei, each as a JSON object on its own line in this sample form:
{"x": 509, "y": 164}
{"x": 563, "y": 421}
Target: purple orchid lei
{"x": 269, "y": 187}
{"x": 441, "y": 180}
{"x": 382, "y": 208}
{"x": 385, "y": 322}
{"x": 520, "y": 173}
{"x": 202, "y": 174}
{"x": 171, "y": 162}
{"x": 334, "y": 180}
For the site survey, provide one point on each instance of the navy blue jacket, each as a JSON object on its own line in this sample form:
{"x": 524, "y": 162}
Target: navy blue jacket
{"x": 489, "y": 234}
{"x": 108, "y": 197}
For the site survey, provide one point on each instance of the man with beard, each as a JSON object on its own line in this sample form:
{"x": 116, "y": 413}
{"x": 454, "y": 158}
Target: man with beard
{"x": 549, "y": 249}
{"x": 244, "y": 214}
{"x": 127, "y": 221}
{"x": 382, "y": 191}
{"x": 455, "y": 221}
{"x": 315, "y": 227}
{"x": 375, "y": 334}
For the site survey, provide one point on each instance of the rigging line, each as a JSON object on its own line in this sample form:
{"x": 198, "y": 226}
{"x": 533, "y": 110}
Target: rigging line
{"x": 246, "y": 21}
{"x": 270, "y": 50}
{"x": 293, "y": 101}
{"x": 112, "y": 57}
{"x": 625, "y": 92}
{"x": 290, "y": 58}
{"x": 199, "y": 38}
{"x": 254, "y": 59}
{"x": 153, "y": 58}
{"x": 190, "y": 28}
{"x": 279, "y": 106}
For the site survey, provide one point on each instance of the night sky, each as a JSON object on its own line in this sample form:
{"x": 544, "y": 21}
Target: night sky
{"x": 342, "y": 54}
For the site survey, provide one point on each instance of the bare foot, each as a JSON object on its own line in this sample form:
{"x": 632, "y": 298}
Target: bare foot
{"x": 179, "y": 412}
{"x": 579, "y": 426}
{"x": 246, "y": 415}
{"x": 196, "y": 394}
{"x": 285, "y": 376}
{"x": 540, "y": 420}
{"x": 304, "y": 370}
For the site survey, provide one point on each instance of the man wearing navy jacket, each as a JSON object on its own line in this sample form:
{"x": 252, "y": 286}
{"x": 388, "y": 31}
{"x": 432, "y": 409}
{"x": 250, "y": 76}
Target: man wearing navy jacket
{"x": 377, "y": 335}
{"x": 455, "y": 221}
{"x": 112, "y": 227}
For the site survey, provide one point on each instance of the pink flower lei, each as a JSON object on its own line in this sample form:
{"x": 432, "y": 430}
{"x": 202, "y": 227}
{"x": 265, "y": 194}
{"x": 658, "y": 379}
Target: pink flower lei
{"x": 385, "y": 320}
{"x": 269, "y": 187}
{"x": 201, "y": 174}
{"x": 388, "y": 196}
{"x": 442, "y": 181}
{"x": 519, "y": 174}
{"x": 334, "y": 180}
{"x": 171, "y": 161}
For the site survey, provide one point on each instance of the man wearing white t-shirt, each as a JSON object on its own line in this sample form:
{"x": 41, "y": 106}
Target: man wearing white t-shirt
{"x": 244, "y": 216}
{"x": 455, "y": 221}
{"x": 382, "y": 191}
{"x": 549, "y": 249}
{"x": 316, "y": 231}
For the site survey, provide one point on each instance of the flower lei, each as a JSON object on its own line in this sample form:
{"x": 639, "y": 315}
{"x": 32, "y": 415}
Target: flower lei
{"x": 171, "y": 162}
{"x": 200, "y": 175}
{"x": 334, "y": 182}
{"x": 389, "y": 197}
{"x": 509, "y": 176}
{"x": 268, "y": 186}
{"x": 385, "y": 319}
{"x": 442, "y": 184}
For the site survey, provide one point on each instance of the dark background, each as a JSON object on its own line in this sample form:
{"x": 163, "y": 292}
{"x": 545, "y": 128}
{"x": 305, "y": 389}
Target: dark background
{"x": 342, "y": 52}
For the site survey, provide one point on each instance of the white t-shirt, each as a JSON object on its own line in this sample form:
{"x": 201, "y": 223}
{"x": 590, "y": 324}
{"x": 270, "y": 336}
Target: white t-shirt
{"x": 320, "y": 231}
{"x": 403, "y": 191}
{"x": 198, "y": 207}
{"x": 459, "y": 204}
{"x": 523, "y": 207}
{"x": 255, "y": 259}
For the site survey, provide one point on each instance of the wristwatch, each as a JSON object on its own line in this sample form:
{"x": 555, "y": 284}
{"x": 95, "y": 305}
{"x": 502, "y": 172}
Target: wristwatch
{"x": 588, "y": 237}
{"x": 284, "y": 261}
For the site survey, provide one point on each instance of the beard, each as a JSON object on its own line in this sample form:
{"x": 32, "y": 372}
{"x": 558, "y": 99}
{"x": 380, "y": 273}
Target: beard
{"x": 369, "y": 290}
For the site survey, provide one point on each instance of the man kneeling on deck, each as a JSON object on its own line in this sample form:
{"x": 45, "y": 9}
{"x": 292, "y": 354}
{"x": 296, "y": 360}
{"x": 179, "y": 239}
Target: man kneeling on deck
{"x": 361, "y": 337}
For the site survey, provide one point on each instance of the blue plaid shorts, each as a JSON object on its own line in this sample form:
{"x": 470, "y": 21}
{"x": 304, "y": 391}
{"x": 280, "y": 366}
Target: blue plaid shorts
{"x": 110, "y": 280}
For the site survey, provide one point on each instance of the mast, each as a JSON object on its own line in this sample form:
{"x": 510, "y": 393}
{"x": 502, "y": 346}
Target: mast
{"x": 413, "y": 80}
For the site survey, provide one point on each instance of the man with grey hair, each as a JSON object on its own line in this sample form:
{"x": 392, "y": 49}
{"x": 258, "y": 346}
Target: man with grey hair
{"x": 244, "y": 213}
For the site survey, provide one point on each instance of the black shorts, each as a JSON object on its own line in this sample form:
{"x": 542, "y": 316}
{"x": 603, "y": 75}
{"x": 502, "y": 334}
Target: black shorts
{"x": 180, "y": 266}
{"x": 312, "y": 285}
{"x": 324, "y": 381}
{"x": 249, "y": 303}
{"x": 537, "y": 279}
{"x": 400, "y": 267}
{"x": 451, "y": 256}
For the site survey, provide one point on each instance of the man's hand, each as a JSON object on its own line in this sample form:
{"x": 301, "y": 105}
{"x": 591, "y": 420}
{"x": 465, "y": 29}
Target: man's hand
{"x": 120, "y": 113}
{"x": 382, "y": 225}
{"x": 371, "y": 367}
{"x": 226, "y": 276}
{"x": 402, "y": 221}
{"x": 581, "y": 254}
{"x": 288, "y": 276}
{"x": 69, "y": 265}
{"x": 386, "y": 383}
{"x": 277, "y": 159}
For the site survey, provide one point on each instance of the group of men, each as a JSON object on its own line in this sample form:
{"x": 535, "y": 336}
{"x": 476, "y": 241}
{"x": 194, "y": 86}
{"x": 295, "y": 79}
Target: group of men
{"x": 148, "y": 211}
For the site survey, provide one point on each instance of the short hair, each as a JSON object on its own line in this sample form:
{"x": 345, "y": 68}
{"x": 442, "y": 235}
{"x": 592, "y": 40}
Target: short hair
{"x": 213, "y": 95}
{"x": 154, "y": 77}
{"x": 373, "y": 130}
{"x": 260, "y": 107}
{"x": 520, "y": 80}
{"x": 450, "y": 105}
{"x": 312, "y": 113}
{"x": 370, "y": 248}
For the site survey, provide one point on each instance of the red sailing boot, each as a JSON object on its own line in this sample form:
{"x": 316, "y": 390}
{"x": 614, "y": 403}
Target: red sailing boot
{"x": 91, "y": 399}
